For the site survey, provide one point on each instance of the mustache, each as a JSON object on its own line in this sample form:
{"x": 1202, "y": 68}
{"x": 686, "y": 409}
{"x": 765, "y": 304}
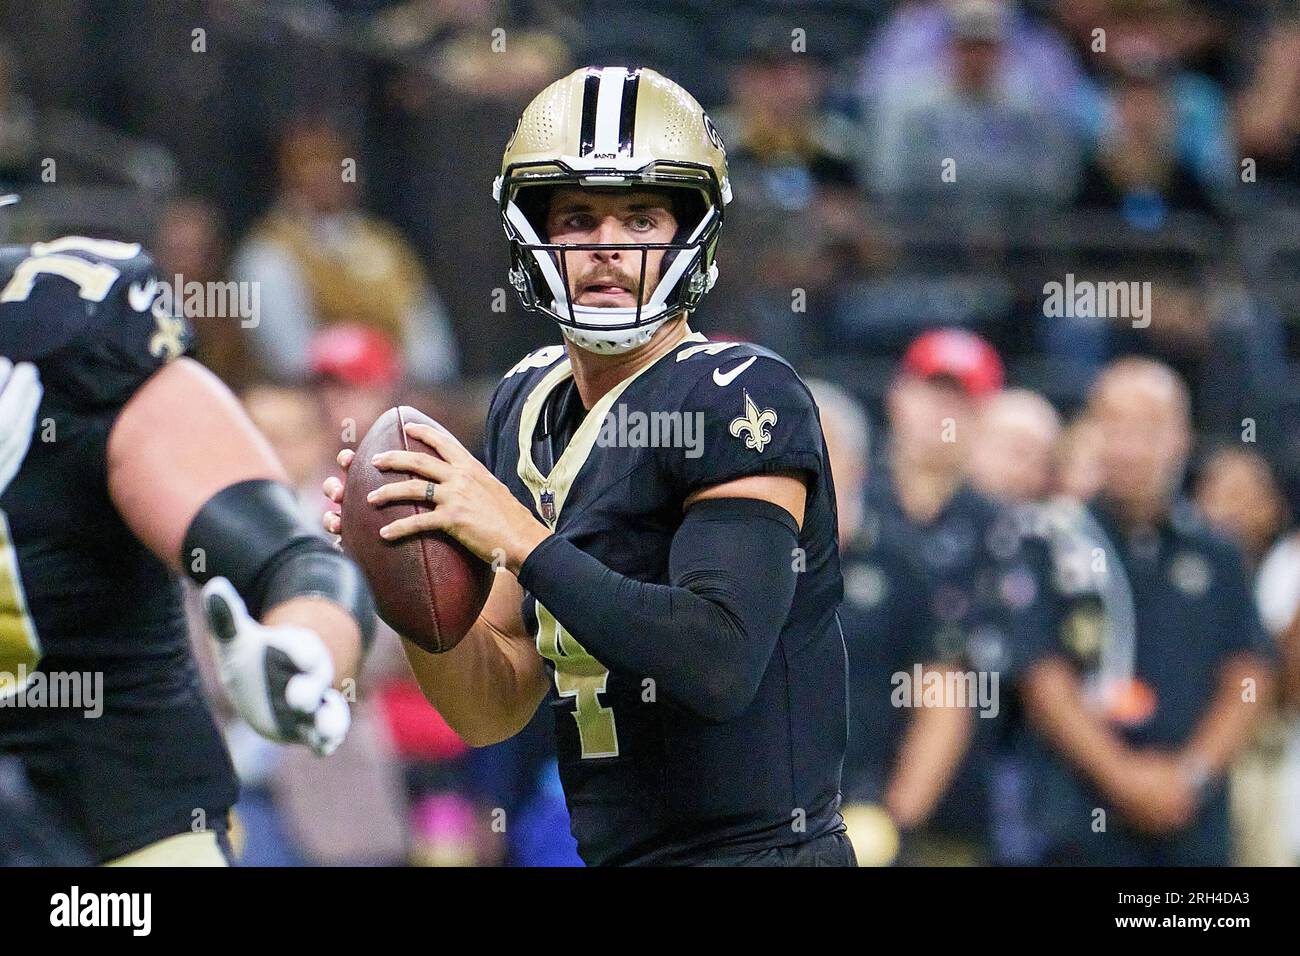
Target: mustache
{"x": 606, "y": 277}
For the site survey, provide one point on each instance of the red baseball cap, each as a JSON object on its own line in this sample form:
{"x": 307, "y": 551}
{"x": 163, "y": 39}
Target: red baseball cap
{"x": 356, "y": 355}
{"x": 957, "y": 354}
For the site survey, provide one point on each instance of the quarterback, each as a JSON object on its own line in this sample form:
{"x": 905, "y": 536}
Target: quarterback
{"x": 123, "y": 464}
{"x": 681, "y": 600}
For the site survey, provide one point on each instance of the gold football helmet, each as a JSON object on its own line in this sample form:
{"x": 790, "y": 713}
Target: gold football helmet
{"x": 613, "y": 127}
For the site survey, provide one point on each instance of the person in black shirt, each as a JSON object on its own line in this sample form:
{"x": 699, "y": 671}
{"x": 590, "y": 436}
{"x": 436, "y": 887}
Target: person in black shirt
{"x": 1136, "y": 170}
{"x": 980, "y": 588}
{"x": 1138, "y": 712}
{"x": 890, "y": 778}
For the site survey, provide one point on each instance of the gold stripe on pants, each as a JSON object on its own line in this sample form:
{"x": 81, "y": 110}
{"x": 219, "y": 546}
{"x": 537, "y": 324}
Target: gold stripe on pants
{"x": 184, "y": 849}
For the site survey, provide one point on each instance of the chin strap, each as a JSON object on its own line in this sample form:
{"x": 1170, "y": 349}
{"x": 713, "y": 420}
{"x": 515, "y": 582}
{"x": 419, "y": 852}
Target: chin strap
{"x": 607, "y": 344}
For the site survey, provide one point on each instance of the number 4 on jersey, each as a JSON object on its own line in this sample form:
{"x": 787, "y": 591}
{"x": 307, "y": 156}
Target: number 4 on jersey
{"x": 581, "y": 676}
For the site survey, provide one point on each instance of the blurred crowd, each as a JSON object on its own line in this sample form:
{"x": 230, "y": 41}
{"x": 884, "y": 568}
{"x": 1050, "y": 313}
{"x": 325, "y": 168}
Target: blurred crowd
{"x": 898, "y": 167}
{"x": 1064, "y": 648}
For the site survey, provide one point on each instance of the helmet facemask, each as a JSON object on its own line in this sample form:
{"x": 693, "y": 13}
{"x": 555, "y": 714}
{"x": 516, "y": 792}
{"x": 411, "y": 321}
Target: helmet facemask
{"x": 539, "y": 269}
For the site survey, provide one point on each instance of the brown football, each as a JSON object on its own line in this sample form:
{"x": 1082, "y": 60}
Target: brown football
{"x": 429, "y": 588}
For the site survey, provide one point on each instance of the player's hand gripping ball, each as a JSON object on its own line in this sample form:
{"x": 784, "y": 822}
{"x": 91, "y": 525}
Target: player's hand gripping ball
{"x": 428, "y": 586}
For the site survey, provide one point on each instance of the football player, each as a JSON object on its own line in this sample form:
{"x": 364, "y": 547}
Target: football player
{"x": 142, "y": 465}
{"x": 661, "y": 506}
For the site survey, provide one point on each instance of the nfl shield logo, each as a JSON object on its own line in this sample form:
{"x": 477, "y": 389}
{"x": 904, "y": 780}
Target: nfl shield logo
{"x": 548, "y": 506}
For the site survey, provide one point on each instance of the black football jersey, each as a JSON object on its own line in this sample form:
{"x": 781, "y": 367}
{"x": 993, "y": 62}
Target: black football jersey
{"x": 646, "y": 780}
{"x": 79, "y": 594}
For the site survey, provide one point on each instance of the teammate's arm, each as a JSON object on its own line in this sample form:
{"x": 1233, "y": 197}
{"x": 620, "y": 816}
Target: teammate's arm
{"x": 200, "y": 487}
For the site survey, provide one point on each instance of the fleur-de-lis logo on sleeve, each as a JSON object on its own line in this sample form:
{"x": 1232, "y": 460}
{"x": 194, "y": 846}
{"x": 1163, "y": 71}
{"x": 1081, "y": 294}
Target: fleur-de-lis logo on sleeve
{"x": 169, "y": 341}
{"x": 754, "y": 425}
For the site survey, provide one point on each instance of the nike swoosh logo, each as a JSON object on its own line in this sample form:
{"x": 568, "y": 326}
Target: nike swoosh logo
{"x": 141, "y": 296}
{"x": 724, "y": 379}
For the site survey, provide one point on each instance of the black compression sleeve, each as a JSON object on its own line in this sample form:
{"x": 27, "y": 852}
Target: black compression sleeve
{"x": 253, "y": 533}
{"x": 705, "y": 638}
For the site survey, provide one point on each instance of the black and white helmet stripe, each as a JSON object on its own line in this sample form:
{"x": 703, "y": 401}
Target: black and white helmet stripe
{"x": 609, "y": 112}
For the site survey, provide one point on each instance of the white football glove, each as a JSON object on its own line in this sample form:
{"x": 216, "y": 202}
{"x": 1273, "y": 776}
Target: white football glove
{"x": 279, "y": 678}
{"x": 20, "y": 397}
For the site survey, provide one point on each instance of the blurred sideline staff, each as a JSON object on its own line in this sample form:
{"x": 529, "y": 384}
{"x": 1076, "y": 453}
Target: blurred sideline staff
{"x": 967, "y": 580}
{"x": 1239, "y": 493}
{"x": 1134, "y": 725}
{"x": 888, "y": 628}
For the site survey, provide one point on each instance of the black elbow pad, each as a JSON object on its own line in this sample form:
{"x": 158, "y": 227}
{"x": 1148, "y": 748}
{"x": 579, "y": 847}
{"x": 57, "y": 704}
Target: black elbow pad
{"x": 253, "y": 534}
